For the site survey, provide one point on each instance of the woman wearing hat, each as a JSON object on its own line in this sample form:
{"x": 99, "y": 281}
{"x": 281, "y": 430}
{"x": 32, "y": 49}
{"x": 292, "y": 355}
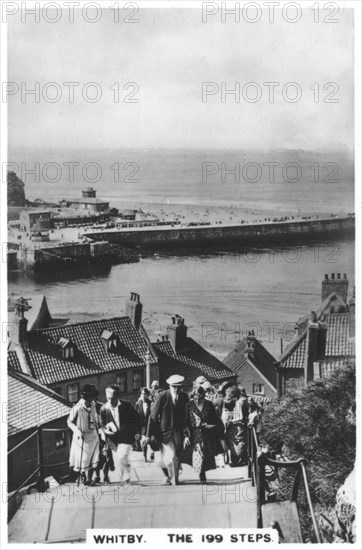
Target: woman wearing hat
{"x": 83, "y": 421}
{"x": 200, "y": 436}
{"x": 234, "y": 415}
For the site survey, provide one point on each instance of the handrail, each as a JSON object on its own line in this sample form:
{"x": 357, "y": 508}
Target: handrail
{"x": 24, "y": 483}
{"x": 315, "y": 525}
{"x": 257, "y": 462}
{"x": 40, "y": 484}
{"x": 284, "y": 464}
{"x": 22, "y": 442}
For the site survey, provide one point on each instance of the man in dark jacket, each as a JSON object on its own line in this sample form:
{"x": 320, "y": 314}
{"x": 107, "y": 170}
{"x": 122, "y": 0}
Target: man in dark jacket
{"x": 120, "y": 423}
{"x": 143, "y": 408}
{"x": 167, "y": 423}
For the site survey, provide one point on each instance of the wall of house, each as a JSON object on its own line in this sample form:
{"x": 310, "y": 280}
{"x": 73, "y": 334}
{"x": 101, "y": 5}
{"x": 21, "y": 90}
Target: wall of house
{"x": 247, "y": 376}
{"x": 102, "y": 381}
{"x": 292, "y": 379}
{"x": 25, "y": 459}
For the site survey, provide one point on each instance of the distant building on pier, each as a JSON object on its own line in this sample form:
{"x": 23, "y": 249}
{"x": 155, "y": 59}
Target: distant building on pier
{"x": 35, "y": 220}
{"x": 88, "y": 201}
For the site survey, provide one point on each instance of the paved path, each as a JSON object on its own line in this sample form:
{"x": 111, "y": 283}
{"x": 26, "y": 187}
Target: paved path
{"x": 64, "y": 512}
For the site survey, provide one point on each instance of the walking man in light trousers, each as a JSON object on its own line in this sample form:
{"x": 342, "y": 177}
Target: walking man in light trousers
{"x": 120, "y": 423}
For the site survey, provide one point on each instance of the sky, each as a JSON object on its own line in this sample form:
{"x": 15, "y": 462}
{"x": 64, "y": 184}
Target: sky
{"x": 169, "y": 54}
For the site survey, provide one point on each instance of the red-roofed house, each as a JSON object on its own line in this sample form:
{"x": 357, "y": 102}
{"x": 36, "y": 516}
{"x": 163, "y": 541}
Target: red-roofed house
{"x": 102, "y": 352}
{"x": 254, "y": 367}
{"x": 179, "y": 354}
{"x": 323, "y": 342}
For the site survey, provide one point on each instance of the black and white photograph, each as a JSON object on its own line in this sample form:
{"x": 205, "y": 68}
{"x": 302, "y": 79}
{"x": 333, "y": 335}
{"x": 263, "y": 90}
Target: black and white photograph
{"x": 180, "y": 274}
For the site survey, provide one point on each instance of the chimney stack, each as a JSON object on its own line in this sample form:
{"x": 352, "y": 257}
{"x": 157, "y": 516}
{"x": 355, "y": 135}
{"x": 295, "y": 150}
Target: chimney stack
{"x": 338, "y": 285}
{"x": 315, "y": 348}
{"x": 134, "y": 310}
{"x": 250, "y": 344}
{"x": 19, "y": 332}
{"x": 177, "y": 333}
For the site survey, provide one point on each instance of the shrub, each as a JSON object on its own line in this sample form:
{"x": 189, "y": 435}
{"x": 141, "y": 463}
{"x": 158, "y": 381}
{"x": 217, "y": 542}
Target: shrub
{"x": 315, "y": 423}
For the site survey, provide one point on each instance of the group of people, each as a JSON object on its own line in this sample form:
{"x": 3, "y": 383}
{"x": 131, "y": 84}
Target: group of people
{"x": 179, "y": 428}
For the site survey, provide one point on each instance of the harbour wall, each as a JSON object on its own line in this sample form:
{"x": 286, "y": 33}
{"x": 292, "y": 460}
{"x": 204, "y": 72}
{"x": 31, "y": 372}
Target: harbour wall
{"x": 243, "y": 234}
{"x": 70, "y": 255}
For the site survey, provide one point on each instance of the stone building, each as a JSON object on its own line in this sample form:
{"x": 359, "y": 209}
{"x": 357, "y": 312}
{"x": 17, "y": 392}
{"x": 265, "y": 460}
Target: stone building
{"x": 88, "y": 201}
{"x": 254, "y": 367}
{"x": 35, "y": 219}
{"x": 324, "y": 340}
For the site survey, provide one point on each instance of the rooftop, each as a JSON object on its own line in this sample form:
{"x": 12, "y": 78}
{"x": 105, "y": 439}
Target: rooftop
{"x": 28, "y": 399}
{"x": 192, "y": 362}
{"x": 13, "y": 361}
{"x": 88, "y": 200}
{"x": 44, "y": 354}
{"x": 262, "y": 359}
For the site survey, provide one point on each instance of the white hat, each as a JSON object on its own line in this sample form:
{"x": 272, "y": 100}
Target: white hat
{"x": 175, "y": 380}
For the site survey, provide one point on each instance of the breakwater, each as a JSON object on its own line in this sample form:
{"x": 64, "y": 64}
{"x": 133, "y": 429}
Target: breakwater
{"x": 260, "y": 233}
{"x": 71, "y": 255}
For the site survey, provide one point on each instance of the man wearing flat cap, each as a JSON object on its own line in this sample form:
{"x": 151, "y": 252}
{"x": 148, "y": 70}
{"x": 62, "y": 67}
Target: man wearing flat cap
{"x": 167, "y": 423}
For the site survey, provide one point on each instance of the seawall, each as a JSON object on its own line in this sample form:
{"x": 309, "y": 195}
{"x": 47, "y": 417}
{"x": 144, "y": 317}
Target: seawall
{"x": 243, "y": 234}
{"x": 71, "y": 255}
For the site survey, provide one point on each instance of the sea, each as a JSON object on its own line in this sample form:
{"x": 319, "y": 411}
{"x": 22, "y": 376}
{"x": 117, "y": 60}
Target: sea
{"x": 221, "y": 294}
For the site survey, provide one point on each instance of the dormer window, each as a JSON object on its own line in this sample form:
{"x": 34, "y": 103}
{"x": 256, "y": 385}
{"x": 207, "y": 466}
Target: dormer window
{"x": 110, "y": 340}
{"x": 67, "y": 348}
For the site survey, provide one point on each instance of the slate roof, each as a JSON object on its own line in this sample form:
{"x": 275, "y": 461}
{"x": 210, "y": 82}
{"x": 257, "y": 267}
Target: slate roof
{"x": 194, "y": 361}
{"x": 13, "y": 361}
{"x": 44, "y": 355}
{"x": 262, "y": 360}
{"x": 31, "y": 404}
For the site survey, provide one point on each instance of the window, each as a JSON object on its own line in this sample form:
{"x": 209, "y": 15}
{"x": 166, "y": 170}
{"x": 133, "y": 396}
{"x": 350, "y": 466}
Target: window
{"x": 67, "y": 348}
{"x": 73, "y": 393}
{"x": 121, "y": 381}
{"x": 110, "y": 340}
{"x": 258, "y": 388}
{"x": 59, "y": 440}
{"x": 137, "y": 379}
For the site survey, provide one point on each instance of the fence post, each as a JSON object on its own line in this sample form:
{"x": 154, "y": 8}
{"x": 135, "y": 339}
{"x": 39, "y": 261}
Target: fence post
{"x": 250, "y": 454}
{"x": 41, "y": 481}
{"x": 260, "y": 461}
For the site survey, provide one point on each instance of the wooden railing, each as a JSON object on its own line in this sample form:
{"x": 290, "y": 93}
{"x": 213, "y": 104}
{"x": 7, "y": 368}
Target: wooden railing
{"x": 258, "y": 459}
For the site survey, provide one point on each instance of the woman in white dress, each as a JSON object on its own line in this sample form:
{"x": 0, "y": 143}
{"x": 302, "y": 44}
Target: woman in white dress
{"x": 83, "y": 421}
